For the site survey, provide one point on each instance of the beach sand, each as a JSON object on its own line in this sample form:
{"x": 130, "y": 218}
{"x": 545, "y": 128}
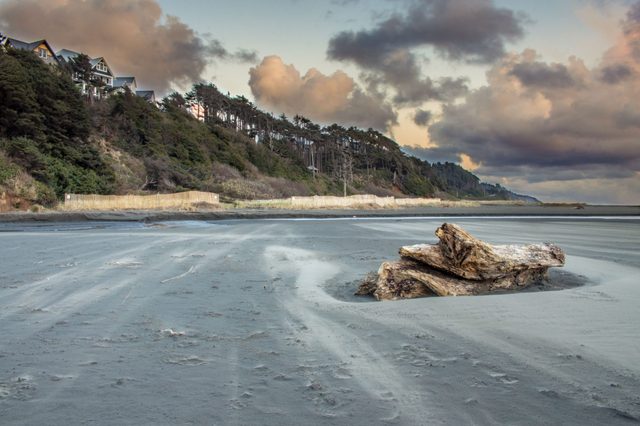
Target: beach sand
{"x": 221, "y": 214}
{"x": 254, "y": 322}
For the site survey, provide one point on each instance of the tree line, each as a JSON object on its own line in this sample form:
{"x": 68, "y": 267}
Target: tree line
{"x": 66, "y": 142}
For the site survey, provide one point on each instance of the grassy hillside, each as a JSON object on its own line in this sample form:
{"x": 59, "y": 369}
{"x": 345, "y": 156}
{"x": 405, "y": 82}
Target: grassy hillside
{"x": 53, "y": 141}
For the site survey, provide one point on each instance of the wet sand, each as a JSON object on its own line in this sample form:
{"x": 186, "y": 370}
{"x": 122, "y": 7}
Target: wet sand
{"x": 253, "y": 322}
{"x": 481, "y": 211}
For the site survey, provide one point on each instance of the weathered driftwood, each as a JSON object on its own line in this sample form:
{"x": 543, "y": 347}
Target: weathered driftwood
{"x": 461, "y": 265}
{"x": 461, "y": 254}
{"x": 408, "y": 279}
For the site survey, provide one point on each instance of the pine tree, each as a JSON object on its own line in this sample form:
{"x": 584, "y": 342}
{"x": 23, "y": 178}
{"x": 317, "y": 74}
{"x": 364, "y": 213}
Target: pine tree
{"x": 20, "y": 115}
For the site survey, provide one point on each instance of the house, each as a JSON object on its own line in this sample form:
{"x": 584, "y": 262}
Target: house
{"x": 100, "y": 72}
{"x": 40, "y": 47}
{"x": 120, "y": 83}
{"x": 148, "y": 95}
{"x": 197, "y": 110}
{"x": 102, "y": 80}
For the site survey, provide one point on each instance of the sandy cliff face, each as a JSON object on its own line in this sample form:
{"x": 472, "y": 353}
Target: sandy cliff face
{"x": 19, "y": 192}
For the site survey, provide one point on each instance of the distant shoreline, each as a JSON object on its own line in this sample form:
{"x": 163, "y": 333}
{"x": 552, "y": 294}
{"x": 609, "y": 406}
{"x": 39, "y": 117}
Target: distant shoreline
{"x": 228, "y": 214}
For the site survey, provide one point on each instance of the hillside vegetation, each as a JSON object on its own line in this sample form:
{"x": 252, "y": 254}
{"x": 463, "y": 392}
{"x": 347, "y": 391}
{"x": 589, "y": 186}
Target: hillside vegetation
{"x": 52, "y": 141}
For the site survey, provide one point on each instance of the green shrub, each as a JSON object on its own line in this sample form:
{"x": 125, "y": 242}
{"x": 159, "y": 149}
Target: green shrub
{"x": 7, "y": 169}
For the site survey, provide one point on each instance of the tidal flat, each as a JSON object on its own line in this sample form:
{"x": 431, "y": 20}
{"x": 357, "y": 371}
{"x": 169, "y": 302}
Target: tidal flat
{"x": 254, "y": 322}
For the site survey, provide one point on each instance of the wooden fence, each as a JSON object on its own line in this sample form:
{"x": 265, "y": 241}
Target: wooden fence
{"x": 181, "y": 200}
{"x": 359, "y": 200}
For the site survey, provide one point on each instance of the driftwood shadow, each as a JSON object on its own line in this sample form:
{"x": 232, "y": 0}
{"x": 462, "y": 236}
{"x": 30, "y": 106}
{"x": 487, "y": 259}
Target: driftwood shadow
{"x": 558, "y": 280}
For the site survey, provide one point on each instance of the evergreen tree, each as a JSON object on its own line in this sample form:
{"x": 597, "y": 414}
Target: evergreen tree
{"x": 47, "y": 129}
{"x": 82, "y": 70}
{"x": 18, "y": 105}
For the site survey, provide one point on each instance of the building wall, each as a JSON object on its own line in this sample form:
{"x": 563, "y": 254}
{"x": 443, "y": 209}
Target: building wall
{"x": 50, "y": 59}
{"x": 197, "y": 111}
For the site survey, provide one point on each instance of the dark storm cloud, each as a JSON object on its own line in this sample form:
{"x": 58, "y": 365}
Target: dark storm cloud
{"x": 632, "y": 31}
{"x": 633, "y": 14}
{"x": 432, "y": 155}
{"x": 422, "y": 117}
{"x": 539, "y": 133}
{"x": 215, "y": 49}
{"x": 544, "y": 128}
{"x": 474, "y": 32}
{"x": 628, "y": 116}
{"x": 135, "y": 38}
{"x": 244, "y": 55}
{"x": 543, "y": 75}
{"x": 614, "y": 74}
{"x": 401, "y": 71}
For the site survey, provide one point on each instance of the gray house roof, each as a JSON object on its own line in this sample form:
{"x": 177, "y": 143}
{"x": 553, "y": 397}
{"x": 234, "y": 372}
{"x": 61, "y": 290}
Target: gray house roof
{"x": 66, "y": 55}
{"x": 30, "y": 46}
{"x": 22, "y": 45}
{"x": 124, "y": 81}
{"x": 148, "y": 95}
{"x": 96, "y": 61}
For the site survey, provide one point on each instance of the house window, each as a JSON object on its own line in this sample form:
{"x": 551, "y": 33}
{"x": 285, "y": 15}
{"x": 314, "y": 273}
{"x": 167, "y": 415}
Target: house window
{"x": 42, "y": 53}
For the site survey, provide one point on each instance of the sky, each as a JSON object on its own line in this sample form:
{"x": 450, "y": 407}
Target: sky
{"x": 539, "y": 96}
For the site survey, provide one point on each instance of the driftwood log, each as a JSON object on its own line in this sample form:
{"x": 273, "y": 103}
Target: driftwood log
{"x": 461, "y": 265}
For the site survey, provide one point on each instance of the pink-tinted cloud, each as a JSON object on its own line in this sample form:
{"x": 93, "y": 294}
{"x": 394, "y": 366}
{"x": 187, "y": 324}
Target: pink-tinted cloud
{"x": 332, "y": 98}
{"x": 135, "y": 37}
{"x": 553, "y": 122}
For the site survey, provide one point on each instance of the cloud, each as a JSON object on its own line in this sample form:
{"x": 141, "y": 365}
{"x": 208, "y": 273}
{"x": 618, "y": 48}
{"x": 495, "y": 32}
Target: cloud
{"x": 431, "y": 154}
{"x": 344, "y": 2}
{"x": 592, "y": 190}
{"x": 633, "y": 16}
{"x": 543, "y": 75}
{"x": 473, "y": 32}
{"x": 245, "y": 55}
{"x": 135, "y": 38}
{"x": 614, "y": 74}
{"x": 538, "y": 122}
{"x": 422, "y": 117}
{"x": 458, "y": 29}
{"x": 508, "y": 123}
{"x": 325, "y": 98}
{"x": 402, "y": 71}
{"x": 632, "y": 32}
{"x": 215, "y": 49}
